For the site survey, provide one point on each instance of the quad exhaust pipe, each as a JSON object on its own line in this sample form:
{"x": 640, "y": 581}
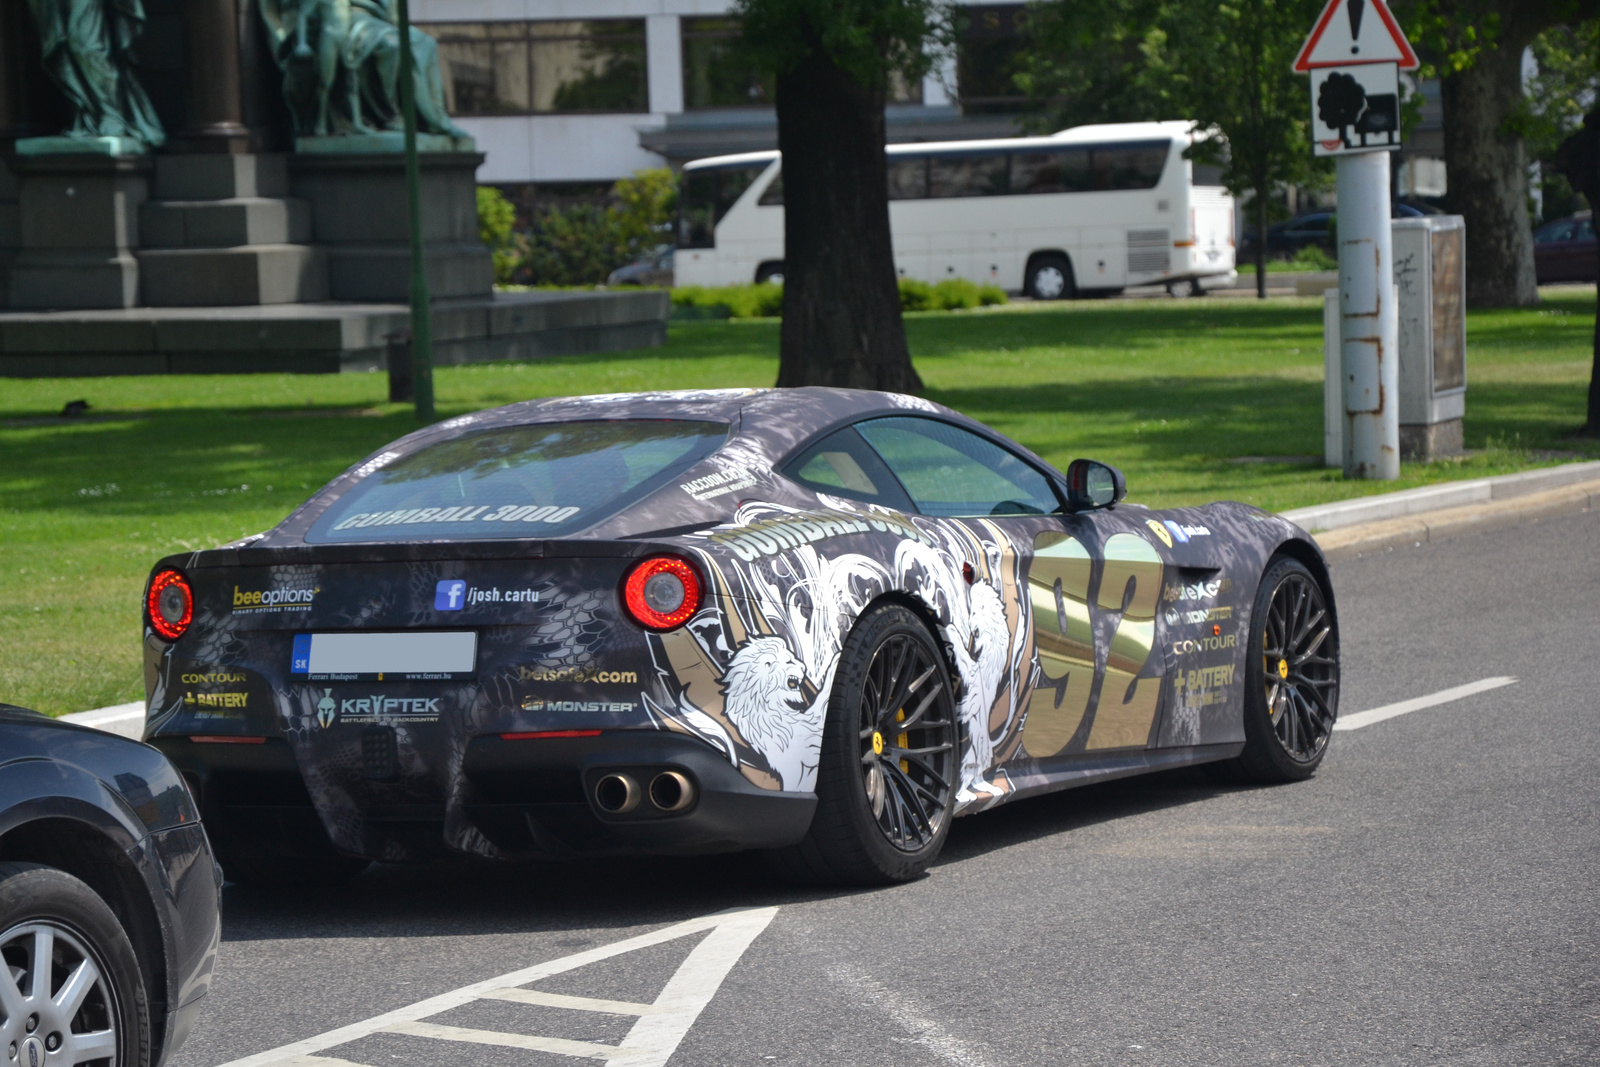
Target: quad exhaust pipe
{"x": 619, "y": 794}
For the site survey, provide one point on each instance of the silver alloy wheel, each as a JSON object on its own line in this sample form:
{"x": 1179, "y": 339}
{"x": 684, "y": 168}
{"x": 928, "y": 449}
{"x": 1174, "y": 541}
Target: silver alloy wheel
{"x": 1049, "y": 283}
{"x": 55, "y": 1001}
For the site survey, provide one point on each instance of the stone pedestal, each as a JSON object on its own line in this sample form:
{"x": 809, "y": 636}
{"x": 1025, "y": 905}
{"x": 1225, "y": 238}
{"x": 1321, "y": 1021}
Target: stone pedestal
{"x": 359, "y": 218}
{"x": 78, "y": 226}
{"x": 221, "y": 230}
{"x": 1431, "y": 440}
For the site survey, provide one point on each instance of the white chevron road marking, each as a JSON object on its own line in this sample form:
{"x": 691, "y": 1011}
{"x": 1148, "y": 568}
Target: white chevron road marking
{"x": 1443, "y": 696}
{"x": 650, "y": 1043}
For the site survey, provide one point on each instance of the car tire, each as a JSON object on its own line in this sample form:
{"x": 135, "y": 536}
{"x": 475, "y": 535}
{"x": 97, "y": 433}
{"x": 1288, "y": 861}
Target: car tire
{"x": 1049, "y": 277}
{"x": 278, "y": 870}
{"x": 881, "y": 817}
{"x": 770, "y": 272}
{"x": 1291, "y": 702}
{"x": 80, "y": 930}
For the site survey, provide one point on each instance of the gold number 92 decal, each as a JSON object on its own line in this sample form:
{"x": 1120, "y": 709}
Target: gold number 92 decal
{"x": 1060, "y": 582}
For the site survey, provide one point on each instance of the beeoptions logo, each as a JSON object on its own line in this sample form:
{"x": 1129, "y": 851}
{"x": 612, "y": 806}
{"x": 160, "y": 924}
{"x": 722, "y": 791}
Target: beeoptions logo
{"x": 449, "y": 595}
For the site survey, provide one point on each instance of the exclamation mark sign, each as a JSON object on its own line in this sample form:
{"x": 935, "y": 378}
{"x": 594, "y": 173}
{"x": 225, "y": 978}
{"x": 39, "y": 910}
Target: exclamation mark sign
{"x": 1354, "y": 8}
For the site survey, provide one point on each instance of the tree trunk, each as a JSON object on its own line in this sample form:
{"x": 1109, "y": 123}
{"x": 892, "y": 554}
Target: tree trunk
{"x": 1261, "y": 242}
{"x": 1488, "y": 177}
{"x": 1578, "y": 158}
{"x": 841, "y": 304}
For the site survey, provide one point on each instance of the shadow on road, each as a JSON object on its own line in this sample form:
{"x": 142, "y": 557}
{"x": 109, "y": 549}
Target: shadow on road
{"x": 467, "y": 897}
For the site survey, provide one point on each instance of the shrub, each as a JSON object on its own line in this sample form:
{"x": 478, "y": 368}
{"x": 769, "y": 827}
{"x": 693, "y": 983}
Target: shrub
{"x": 948, "y": 295}
{"x": 1312, "y": 257}
{"x": 496, "y": 219}
{"x": 742, "y": 301}
{"x": 581, "y": 244}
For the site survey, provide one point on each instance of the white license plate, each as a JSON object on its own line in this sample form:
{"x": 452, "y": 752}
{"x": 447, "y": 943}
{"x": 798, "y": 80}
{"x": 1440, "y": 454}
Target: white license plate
{"x": 409, "y": 655}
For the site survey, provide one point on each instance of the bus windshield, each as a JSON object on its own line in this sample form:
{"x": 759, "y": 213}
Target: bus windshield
{"x": 706, "y": 195}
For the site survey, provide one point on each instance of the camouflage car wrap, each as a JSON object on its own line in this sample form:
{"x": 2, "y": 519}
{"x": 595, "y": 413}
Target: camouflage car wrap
{"x": 1080, "y": 646}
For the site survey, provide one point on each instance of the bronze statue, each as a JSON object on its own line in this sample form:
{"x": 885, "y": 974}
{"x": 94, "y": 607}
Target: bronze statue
{"x": 341, "y": 67}
{"x": 87, "y": 47}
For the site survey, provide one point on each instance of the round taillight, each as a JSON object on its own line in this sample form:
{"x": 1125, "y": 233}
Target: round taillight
{"x": 169, "y": 604}
{"x": 662, "y": 592}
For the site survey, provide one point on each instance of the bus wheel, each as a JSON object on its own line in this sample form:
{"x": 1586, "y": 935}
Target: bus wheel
{"x": 770, "y": 272}
{"x": 1050, "y": 278}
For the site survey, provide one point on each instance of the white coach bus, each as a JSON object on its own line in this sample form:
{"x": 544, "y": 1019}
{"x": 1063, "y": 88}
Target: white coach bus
{"x": 1092, "y": 209}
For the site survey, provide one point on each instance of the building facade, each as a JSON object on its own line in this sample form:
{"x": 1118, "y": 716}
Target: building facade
{"x": 564, "y": 94}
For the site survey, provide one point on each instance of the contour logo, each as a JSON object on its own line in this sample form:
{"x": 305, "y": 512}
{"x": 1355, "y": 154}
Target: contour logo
{"x": 449, "y": 595}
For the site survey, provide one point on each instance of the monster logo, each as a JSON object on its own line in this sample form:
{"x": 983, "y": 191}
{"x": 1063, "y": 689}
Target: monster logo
{"x": 326, "y": 708}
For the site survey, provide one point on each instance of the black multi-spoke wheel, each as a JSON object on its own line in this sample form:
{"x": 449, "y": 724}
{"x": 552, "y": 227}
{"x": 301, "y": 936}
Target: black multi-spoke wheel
{"x": 908, "y": 742}
{"x": 887, "y": 778}
{"x": 1291, "y": 676}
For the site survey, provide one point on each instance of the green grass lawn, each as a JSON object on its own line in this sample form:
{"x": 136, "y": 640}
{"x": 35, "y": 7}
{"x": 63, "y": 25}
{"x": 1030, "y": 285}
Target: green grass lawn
{"x": 1177, "y": 393}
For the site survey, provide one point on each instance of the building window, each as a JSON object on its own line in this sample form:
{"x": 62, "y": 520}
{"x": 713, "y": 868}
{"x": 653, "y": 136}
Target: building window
{"x": 534, "y": 68}
{"x": 716, "y": 70}
{"x": 989, "y": 45}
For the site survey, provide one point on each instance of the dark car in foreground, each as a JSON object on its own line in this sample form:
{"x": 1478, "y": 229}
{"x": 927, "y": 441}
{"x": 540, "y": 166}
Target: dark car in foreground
{"x": 819, "y": 622}
{"x": 109, "y": 917}
{"x": 1564, "y": 250}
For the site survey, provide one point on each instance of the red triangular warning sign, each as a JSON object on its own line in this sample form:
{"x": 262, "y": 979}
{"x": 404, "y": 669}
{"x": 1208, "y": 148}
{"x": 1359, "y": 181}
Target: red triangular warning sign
{"x": 1351, "y": 33}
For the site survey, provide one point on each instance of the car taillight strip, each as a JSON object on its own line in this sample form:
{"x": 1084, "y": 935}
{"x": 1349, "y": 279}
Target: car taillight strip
{"x": 537, "y": 734}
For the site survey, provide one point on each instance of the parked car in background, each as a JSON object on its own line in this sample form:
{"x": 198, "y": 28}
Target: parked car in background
{"x": 109, "y": 898}
{"x": 654, "y": 269}
{"x": 1564, "y": 250}
{"x": 1313, "y": 228}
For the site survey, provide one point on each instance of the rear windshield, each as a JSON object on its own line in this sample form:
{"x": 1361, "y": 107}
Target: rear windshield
{"x": 521, "y": 481}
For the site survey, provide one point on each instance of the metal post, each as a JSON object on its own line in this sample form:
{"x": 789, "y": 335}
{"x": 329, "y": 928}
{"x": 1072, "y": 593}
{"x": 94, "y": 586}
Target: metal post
{"x": 1369, "y": 321}
{"x": 421, "y": 314}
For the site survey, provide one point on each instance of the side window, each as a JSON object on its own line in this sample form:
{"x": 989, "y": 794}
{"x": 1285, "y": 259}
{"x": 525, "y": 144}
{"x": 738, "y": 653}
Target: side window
{"x": 955, "y": 473}
{"x": 1060, "y": 171}
{"x": 1585, "y": 230}
{"x": 908, "y": 177}
{"x": 772, "y": 195}
{"x": 1556, "y": 231}
{"x": 968, "y": 174}
{"x": 841, "y": 464}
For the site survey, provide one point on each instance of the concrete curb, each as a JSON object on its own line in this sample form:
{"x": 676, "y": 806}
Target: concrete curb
{"x": 1451, "y": 495}
{"x": 1444, "y": 523}
{"x": 126, "y": 720}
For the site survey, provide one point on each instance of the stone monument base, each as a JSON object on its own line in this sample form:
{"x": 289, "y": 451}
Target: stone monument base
{"x": 360, "y": 220}
{"x": 1426, "y": 441}
{"x": 78, "y": 227}
{"x": 324, "y": 338}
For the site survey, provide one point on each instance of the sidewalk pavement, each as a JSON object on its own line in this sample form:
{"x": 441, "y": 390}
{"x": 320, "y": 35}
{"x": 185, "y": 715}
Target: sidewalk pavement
{"x": 1347, "y": 528}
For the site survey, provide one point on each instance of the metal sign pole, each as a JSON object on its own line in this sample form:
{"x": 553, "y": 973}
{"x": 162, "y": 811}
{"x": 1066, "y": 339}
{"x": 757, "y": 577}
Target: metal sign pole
{"x": 1369, "y": 318}
{"x": 421, "y": 312}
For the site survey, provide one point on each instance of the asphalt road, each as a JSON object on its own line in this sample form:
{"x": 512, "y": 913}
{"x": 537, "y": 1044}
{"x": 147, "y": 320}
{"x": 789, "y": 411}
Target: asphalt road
{"x": 1431, "y": 896}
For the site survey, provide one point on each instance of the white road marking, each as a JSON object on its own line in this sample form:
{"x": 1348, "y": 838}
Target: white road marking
{"x": 533, "y": 1042}
{"x": 1444, "y": 696}
{"x": 561, "y": 1000}
{"x": 650, "y": 1043}
{"x": 910, "y": 1014}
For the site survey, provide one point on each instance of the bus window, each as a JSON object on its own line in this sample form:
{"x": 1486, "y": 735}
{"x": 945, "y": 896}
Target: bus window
{"x": 772, "y": 195}
{"x": 908, "y": 177}
{"x": 1065, "y": 170}
{"x": 967, "y": 174}
{"x": 706, "y": 195}
{"x": 1130, "y": 166}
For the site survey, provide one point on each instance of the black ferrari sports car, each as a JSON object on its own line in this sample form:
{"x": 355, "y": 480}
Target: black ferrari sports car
{"x": 820, "y": 622}
{"x": 108, "y": 898}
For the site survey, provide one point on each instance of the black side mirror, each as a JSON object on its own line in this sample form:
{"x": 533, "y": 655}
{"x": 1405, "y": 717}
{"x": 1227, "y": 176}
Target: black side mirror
{"x": 1093, "y": 485}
